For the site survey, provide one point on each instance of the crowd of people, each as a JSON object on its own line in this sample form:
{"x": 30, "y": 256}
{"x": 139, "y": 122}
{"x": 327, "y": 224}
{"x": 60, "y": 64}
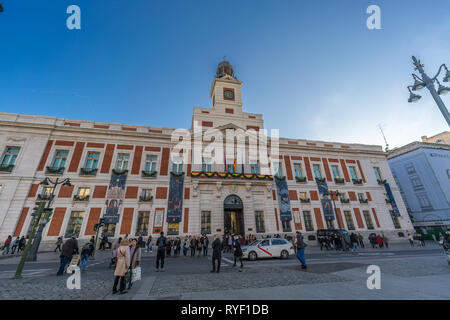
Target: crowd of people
{"x": 13, "y": 245}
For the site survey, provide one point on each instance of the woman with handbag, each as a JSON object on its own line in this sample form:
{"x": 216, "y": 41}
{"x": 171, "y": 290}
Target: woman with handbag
{"x": 122, "y": 266}
{"x": 135, "y": 254}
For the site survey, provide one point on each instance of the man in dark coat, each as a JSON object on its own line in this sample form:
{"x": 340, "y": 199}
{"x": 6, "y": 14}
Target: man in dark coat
{"x": 205, "y": 245}
{"x": 217, "y": 253}
{"x": 237, "y": 252}
{"x": 68, "y": 249}
{"x": 301, "y": 245}
{"x": 161, "y": 244}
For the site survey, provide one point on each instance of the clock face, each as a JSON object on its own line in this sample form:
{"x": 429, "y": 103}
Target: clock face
{"x": 228, "y": 94}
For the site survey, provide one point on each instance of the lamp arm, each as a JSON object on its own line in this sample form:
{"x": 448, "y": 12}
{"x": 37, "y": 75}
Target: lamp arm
{"x": 417, "y": 77}
{"x": 409, "y": 88}
{"x": 439, "y": 71}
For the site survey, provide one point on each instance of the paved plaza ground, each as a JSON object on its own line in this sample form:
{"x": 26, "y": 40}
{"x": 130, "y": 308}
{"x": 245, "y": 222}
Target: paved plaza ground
{"x": 406, "y": 273}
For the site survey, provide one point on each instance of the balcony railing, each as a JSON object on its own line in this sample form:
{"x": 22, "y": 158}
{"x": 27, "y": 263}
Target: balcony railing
{"x": 88, "y": 172}
{"x": 119, "y": 172}
{"x": 7, "y": 168}
{"x": 53, "y": 170}
{"x": 381, "y": 181}
{"x": 45, "y": 197}
{"x": 300, "y": 179}
{"x": 339, "y": 181}
{"x": 149, "y": 174}
{"x": 80, "y": 198}
{"x": 145, "y": 199}
{"x": 363, "y": 200}
{"x": 307, "y": 200}
{"x": 345, "y": 200}
{"x": 320, "y": 179}
{"x": 357, "y": 181}
{"x": 231, "y": 175}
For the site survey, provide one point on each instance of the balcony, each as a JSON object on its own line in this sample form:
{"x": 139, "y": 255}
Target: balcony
{"x": 7, "y": 168}
{"x": 363, "y": 200}
{"x": 381, "y": 181}
{"x": 307, "y": 200}
{"x": 339, "y": 180}
{"x": 231, "y": 175}
{"x": 119, "y": 172}
{"x": 46, "y": 197}
{"x": 345, "y": 200}
{"x": 149, "y": 174}
{"x": 300, "y": 179}
{"x": 320, "y": 179}
{"x": 55, "y": 171}
{"x": 88, "y": 172}
{"x": 80, "y": 198}
{"x": 357, "y": 181}
{"x": 145, "y": 199}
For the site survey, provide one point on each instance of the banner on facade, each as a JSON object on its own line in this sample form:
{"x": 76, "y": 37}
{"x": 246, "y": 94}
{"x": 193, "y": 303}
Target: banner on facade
{"x": 175, "y": 202}
{"x": 392, "y": 200}
{"x": 327, "y": 207}
{"x": 283, "y": 200}
{"x": 114, "y": 197}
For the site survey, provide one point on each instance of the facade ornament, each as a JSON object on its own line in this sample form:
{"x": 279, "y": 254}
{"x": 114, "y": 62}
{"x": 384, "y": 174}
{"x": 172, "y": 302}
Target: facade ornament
{"x": 15, "y": 139}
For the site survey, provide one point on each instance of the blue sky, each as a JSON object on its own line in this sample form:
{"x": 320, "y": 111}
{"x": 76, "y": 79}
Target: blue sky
{"x": 312, "y": 68}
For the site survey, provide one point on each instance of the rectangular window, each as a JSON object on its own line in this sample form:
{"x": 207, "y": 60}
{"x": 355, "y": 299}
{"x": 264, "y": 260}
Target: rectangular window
{"x": 206, "y": 222}
{"x": 410, "y": 169}
{"x": 309, "y": 226}
{"x": 92, "y": 161}
{"x": 353, "y": 173}
{"x": 146, "y": 194}
{"x": 75, "y": 223}
{"x": 230, "y": 165}
{"x": 10, "y": 156}
{"x": 173, "y": 229}
{"x": 109, "y": 229}
{"x": 336, "y": 173}
{"x": 254, "y": 167}
{"x": 150, "y": 163}
{"x": 277, "y": 171}
{"x": 395, "y": 220}
{"x": 177, "y": 165}
{"x": 60, "y": 159}
{"x": 377, "y": 173}
{"x": 206, "y": 165}
{"x": 259, "y": 221}
{"x": 83, "y": 193}
{"x": 361, "y": 196}
{"x": 317, "y": 173}
{"x": 368, "y": 219}
{"x": 424, "y": 202}
{"x": 142, "y": 223}
{"x": 286, "y": 224}
{"x": 349, "y": 219}
{"x": 415, "y": 181}
{"x": 46, "y": 193}
{"x": 298, "y": 170}
{"x": 303, "y": 196}
{"x": 122, "y": 161}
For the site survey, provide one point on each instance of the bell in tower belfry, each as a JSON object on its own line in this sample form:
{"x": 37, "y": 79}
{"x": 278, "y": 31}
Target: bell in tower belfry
{"x": 224, "y": 68}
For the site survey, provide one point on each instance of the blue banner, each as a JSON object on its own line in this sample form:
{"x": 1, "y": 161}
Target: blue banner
{"x": 392, "y": 200}
{"x": 327, "y": 207}
{"x": 283, "y": 200}
{"x": 175, "y": 202}
{"x": 114, "y": 198}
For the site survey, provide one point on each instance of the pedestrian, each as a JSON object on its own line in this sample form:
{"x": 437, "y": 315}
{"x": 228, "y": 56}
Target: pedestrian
{"x": 15, "y": 244}
{"x": 410, "y": 239}
{"x": 92, "y": 247}
{"x": 379, "y": 241}
{"x": 102, "y": 243}
{"x": 373, "y": 240}
{"x": 193, "y": 245}
{"x": 422, "y": 241}
{"x": 199, "y": 247}
{"x": 59, "y": 242}
{"x": 237, "y": 252}
{"x": 186, "y": 245}
{"x": 217, "y": 253}
{"x": 354, "y": 240}
{"x": 301, "y": 245}
{"x": 161, "y": 244}
{"x": 141, "y": 242}
{"x": 135, "y": 260}
{"x": 361, "y": 240}
{"x": 22, "y": 244}
{"x": 230, "y": 243}
{"x": 205, "y": 246}
{"x": 385, "y": 240}
{"x": 122, "y": 266}
{"x": 149, "y": 244}
{"x": 84, "y": 256}
{"x": 169, "y": 247}
{"x": 69, "y": 248}
{"x": 7, "y": 244}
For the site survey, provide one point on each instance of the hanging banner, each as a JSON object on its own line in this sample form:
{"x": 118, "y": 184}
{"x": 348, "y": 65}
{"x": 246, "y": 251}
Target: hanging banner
{"x": 114, "y": 197}
{"x": 392, "y": 200}
{"x": 327, "y": 207}
{"x": 175, "y": 202}
{"x": 283, "y": 200}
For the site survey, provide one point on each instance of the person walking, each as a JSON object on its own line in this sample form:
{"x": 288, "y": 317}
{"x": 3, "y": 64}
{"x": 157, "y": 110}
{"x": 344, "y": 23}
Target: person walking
{"x": 237, "y": 252}
{"x": 122, "y": 266}
{"x": 7, "y": 244}
{"x": 199, "y": 247}
{"x": 300, "y": 245}
{"x": 354, "y": 240}
{"x": 422, "y": 241}
{"x": 135, "y": 260}
{"x": 361, "y": 240}
{"x": 186, "y": 246}
{"x": 85, "y": 250}
{"x": 379, "y": 241}
{"x": 92, "y": 246}
{"x": 410, "y": 239}
{"x": 169, "y": 247}
{"x": 149, "y": 244}
{"x": 15, "y": 244}
{"x": 205, "y": 246}
{"x": 22, "y": 244}
{"x": 161, "y": 244}
{"x": 217, "y": 253}
{"x": 225, "y": 242}
{"x": 114, "y": 253}
{"x": 193, "y": 245}
{"x": 385, "y": 240}
{"x": 59, "y": 242}
{"x": 230, "y": 243}
{"x": 69, "y": 248}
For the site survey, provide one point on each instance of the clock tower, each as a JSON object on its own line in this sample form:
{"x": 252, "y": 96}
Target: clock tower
{"x": 226, "y": 90}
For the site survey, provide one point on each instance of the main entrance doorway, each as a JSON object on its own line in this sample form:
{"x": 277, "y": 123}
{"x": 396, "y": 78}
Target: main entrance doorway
{"x": 233, "y": 215}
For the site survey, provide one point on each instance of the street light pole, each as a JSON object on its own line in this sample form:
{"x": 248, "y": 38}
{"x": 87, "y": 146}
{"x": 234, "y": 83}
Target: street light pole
{"x": 428, "y": 82}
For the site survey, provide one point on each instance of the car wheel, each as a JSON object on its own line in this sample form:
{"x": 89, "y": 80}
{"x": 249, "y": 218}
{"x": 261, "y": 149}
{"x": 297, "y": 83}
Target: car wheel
{"x": 252, "y": 256}
{"x": 284, "y": 254}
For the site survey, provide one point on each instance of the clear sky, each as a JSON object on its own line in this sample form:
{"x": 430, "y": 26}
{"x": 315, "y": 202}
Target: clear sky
{"x": 312, "y": 68}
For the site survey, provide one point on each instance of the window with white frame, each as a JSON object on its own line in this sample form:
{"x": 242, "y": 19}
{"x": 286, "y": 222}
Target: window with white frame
{"x": 142, "y": 223}
{"x": 75, "y": 223}
{"x": 298, "y": 170}
{"x": 205, "y": 222}
{"x": 122, "y": 161}
{"x": 230, "y": 165}
{"x": 10, "y": 156}
{"x": 317, "y": 172}
{"x": 259, "y": 220}
{"x": 353, "y": 173}
{"x": 146, "y": 194}
{"x": 377, "y": 172}
{"x": 336, "y": 173}
{"x": 309, "y": 226}
{"x": 83, "y": 193}
{"x": 59, "y": 161}
{"x": 150, "y": 163}
{"x": 92, "y": 161}
{"x": 368, "y": 219}
{"x": 254, "y": 166}
{"x": 349, "y": 219}
{"x": 206, "y": 164}
{"x": 276, "y": 169}
{"x": 177, "y": 165}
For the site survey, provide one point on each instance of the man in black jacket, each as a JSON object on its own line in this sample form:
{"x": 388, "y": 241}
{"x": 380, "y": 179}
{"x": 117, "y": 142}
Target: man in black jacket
{"x": 161, "y": 244}
{"x": 217, "y": 253}
{"x": 237, "y": 252}
{"x": 69, "y": 248}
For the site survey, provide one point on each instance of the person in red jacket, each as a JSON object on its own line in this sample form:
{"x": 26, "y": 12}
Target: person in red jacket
{"x": 7, "y": 244}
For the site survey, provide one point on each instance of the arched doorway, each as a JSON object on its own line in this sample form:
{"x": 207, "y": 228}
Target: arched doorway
{"x": 233, "y": 215}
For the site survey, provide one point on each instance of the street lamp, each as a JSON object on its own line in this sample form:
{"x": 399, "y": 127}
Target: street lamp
{"x": 426, "y": 81}
{"x": 47, "y": 213}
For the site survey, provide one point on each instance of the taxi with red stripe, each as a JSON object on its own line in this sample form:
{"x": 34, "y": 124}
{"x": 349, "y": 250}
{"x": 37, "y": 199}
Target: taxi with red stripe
{"x": 268, "y": 248}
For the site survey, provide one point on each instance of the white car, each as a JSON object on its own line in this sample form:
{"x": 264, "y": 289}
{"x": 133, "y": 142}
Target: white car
{"x": 268, "y": 248}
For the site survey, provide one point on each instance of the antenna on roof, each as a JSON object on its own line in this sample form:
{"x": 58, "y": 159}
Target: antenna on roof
{"x": 384, "y": 137}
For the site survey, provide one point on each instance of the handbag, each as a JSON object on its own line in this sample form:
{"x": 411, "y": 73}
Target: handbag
{"x": 136, "y": 274}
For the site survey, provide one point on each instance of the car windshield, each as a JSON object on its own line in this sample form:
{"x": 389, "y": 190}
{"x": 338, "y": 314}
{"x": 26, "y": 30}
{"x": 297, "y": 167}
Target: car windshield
{"x": 254, "y": 243}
